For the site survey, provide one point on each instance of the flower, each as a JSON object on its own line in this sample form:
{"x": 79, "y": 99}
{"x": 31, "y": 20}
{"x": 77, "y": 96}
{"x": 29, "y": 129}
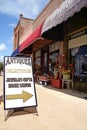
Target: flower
{"x": 66, "y": 71}
{"x": 56, "y": 67}
{"x": 69, "y": 69}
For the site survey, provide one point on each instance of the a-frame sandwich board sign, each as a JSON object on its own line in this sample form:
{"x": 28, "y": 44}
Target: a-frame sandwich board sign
{"x": 19, "y": 86}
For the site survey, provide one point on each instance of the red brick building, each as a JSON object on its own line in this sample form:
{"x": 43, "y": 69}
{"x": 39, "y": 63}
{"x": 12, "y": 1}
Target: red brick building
{"x": 20, "y": 29}
{"x": 56, "y": 36}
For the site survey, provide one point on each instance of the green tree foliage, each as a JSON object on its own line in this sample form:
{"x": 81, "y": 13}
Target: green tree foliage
{"x": 1, "y": 66}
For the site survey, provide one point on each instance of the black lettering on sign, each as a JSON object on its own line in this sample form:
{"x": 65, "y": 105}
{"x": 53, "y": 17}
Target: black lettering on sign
{"x": 13, "y": 85}
{"x": 18, "y": 79}
{"x": 17, "y": 60}
{"x": 25, "y": 85}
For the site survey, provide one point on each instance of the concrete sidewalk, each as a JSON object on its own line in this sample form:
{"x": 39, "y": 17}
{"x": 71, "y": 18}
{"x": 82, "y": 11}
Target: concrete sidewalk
{"x": 57, "y": 110}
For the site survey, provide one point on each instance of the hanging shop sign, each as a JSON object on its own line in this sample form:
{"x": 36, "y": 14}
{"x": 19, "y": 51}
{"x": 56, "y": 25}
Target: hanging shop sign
{"x": 19, "y": 87}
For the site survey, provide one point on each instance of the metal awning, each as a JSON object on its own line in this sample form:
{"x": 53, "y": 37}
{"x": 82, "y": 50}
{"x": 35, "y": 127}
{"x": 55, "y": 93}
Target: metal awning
{"x": 67, "y": 9}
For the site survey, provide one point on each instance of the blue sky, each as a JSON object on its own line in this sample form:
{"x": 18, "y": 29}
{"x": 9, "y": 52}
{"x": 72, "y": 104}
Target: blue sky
{"x": 9, "y": 17}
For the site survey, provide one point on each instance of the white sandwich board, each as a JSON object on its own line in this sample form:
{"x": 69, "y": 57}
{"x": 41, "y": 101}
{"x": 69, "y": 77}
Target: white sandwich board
{"x": 19, "y": 87}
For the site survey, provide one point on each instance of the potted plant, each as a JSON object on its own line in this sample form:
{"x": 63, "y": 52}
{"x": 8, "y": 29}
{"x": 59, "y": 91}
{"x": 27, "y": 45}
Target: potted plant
{"x": 66, "y": 74}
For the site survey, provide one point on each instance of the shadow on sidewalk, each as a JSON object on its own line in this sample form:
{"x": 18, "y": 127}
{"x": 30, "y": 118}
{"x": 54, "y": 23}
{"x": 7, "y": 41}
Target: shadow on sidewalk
{"x": 71, "y": 92}
{"x": 21, "y": 111}
{"x": 1, "y": 99}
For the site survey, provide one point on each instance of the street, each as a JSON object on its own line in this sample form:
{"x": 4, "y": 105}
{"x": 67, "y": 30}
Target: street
{"x": 56, "y": 110}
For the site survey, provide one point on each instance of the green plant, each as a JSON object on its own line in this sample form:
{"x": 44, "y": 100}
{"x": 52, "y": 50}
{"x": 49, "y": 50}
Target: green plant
{"x": 1, "y": 66}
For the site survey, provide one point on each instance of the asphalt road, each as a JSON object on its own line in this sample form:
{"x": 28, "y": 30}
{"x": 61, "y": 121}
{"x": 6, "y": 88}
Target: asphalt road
{"x": 56, "y": 111}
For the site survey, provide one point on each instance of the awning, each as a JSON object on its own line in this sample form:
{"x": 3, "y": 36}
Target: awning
{"x": 15, "y": 52}
{"x": 31, "y": 38}
{"x": 67, "y": 9}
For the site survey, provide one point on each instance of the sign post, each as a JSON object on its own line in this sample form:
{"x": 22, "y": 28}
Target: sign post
{"x": 19, "y": 87}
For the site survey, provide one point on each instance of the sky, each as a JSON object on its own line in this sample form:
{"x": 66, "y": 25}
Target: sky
{"x": 10, "y": 11}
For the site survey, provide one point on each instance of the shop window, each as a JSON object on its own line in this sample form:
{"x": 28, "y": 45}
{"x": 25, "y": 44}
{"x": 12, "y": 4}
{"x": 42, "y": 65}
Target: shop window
{"x": 81, "y": 61}
{"x": 54, "y": 47}
{"x": 37, "y": 60}
{"x": 71, "y": 59}
{"x": 53, "y": 57}
{"x": 81, "y": 65}
{"x": 38, "y": 53}
{"x": 45, "y": 59}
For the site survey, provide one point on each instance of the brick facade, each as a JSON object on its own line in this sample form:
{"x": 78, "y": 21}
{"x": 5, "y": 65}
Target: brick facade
{"x": 19, "y": 30}
{"x": 29, "y": 28}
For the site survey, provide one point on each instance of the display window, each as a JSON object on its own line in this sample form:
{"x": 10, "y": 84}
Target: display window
{"x": 53, "y": 59}
{"x": 37, "y": 60}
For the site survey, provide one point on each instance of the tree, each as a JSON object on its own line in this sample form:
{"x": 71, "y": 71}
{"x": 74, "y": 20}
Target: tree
{"x": 1, "y": 66}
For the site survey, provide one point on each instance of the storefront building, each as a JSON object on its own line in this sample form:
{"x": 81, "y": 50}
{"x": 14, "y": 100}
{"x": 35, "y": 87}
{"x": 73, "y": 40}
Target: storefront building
{"x": 61, "y": 40}
{"x": 74, "y": 22}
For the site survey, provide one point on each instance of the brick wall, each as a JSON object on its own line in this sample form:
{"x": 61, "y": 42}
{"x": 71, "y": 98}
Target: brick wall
{"x": 53, "y": 4}
{"x": 19, "y": 30}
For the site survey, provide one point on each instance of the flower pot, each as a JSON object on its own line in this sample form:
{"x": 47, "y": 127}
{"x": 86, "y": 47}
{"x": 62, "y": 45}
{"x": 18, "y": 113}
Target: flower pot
{"x": 56, "y": 83}
{"x": 66, "y": 76}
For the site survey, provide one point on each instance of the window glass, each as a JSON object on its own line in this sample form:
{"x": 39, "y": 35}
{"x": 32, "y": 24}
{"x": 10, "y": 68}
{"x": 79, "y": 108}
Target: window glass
{"x": 53, "y": 57}
{"x": 38, "y": 60}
